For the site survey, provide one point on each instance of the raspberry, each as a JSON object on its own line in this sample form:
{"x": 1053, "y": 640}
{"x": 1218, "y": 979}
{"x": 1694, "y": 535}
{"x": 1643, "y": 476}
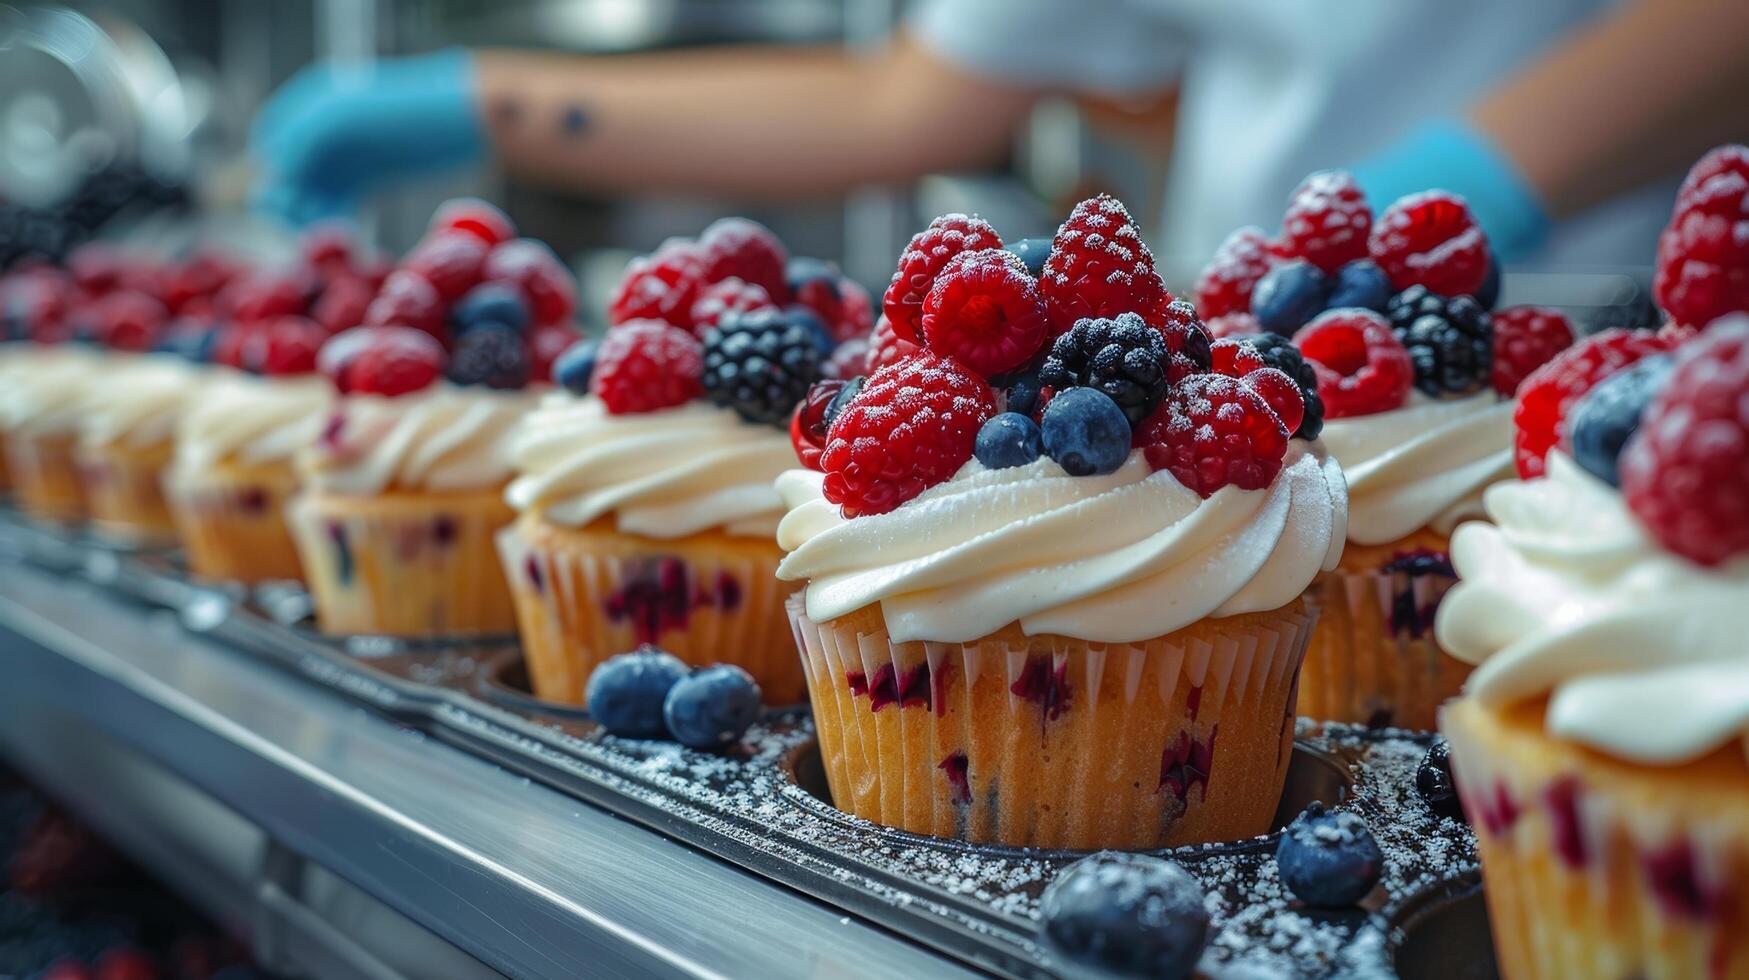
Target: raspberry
{"x": 546, "y": 282}
{"x": 386, "y": 361}
{"x": 342, "y": 304}
{"x": 1327, "y": 220}
{"x": 1685, "y": 472}
{"x": 1703, "y": 254}
{"x": 263, "y": 296}
{"x": 719, "y": 299}
{"x": 1526, "y": 338}
{"x": 129, "y": 320}
{"x": 1674, "y": 333}
{"x": 1362, "y": 367}
{"x": 748, "y": 251}
{"x": 1099, "y": 267}
{"x": 408, "y": 299}
{"x": 451, "y": 261}
{"x": 1450, "y": 340}
{"x": 809, "y": 422}
{"x": 1546, "y": 395}
{"x": 848, "y": 359}
{"x": 761, "y": 363}
{"x": 202, "y": 275}
{"x": 326, "y": 247}
{"x": 545, "y": 344}
{"x": 1123, "y": 357}
{"x": 1731, "y": 158}
{"x": 1281, "y": 394}
{"x": 1186, "y": 339}
{"x": 646, "y": 365}
{"x": 96, "y": 267}
{"x": 1258, "y": 361}
{"x": 284, "y": 345}
{"x": 476, "y": 217}
{"x": 1232, "y": 325}
{"x": 1280, "y": 353}
{"x": 1227, "y": 281}
{"x": 923, "y": 259}
{"x": 885, "y": 346}
{"x": 984, "y": 310}
{"x": 1235, "y": 358}
{"x": 841, "y": 303}
{"x": 660, "y": 286}
{"x": 1214, "y": 432}
{"x": 1431, "y": 239}
{"x": 913, "y": 424}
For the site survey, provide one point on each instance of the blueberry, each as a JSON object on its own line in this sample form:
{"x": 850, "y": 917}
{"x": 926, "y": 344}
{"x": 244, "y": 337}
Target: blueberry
{"x": 1360, "y": 283}
{"x": 851, "y": 389}
{"x": 1328, "y": 859}
{"x": 1433, "y": 781}
{"x": 1488, "y": 293}
{"x": 1609, "y": 413}
{"x": 192, "y": 342}
{"x": 490, "y": 354}
{"x": 713, "y": 708}
{"x": 1033, "y": 252}
{"x": 802, "y": 272}
{"x": 626, "y": 693}
{"x": 1023, "y": 393}
{"x": 1126, "y": 915}
{"x": 1289, "y": 296}
{"x": 575, "y": 366}
{"x": 1085, "y": 432}
{"x": 491, "y": 302}
{"x": 1009, "y": 439}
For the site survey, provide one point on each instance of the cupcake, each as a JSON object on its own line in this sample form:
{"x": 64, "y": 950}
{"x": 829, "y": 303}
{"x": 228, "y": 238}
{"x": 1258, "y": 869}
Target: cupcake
{"x": 41, "y": 409}
{"x": 125, "y": 441}
{"x": 1082, "y": 631}
{"x": 645, "y": 489}
{"x": 1601, "y": 747}
{"x": 1415, "y": 379}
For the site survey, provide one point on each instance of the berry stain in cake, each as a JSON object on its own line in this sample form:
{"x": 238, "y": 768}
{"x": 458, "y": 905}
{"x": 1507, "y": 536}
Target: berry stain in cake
{"x": 956, "y": 768}
{"x": 343, "y": 566}
{"x": 1039, "y": 681}
{"x": 660, "y": 594}
{"x": 1415, "y": 603}
{"x": 1185, "y": 762}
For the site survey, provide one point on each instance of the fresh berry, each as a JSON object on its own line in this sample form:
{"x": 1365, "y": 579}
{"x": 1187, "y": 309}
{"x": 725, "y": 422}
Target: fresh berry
{"x": 1676, "y": 334}
{"x": 129, "y": 320}
{"x": 1123, "y": 357}
{"x": 1703, "y": 254}
{"x": 1279, "y": 353}
{"x": 1235, "y": 358}
{"x": 841, "y": 303}
{"x": 1212, "y": 432}
{"x": 385, "y": 361}
{"x": 761, "y": 363}
{"x": 342, "y": 304}
{"x": 1009, "y": 439}
{"x": 452, "y": 262}
{"x": 923, "y": 259}
{"x": 282, "y": 346}
{"x": 1126, "y": 915}
{"x": 1551, "y": 391}
{"x": 663, "y": 285}
{"x": 984, "y": 311}
{"x": 1099, "y": 267}
{"x": 1327, "y": 221}
{"x": 1602, "y": 420}
{"x": 545, "y": 281}
{"x": 1021, "y": 393}
{"x": 1434, "y": 782}
{"x": 190, "y": 339}
{"x": 1526, "y": 338}
{"x": 712, "y": 708}
{"x": 1328, "y": 860}
{"x": 1685, "y": 473}
{"x": 407, "y": 299}
{"x": 1729, "y": 158}
{"x": 812, "y": 418}
{"x": 1187, "y": 339}
{"x": 1431, "y": 239}
{"x": 476, "y": 217}
{"x": 573, "y": 368}
{"x": 545, "y": 343}
{"x": 846, "y": 394}
{"x": 1282, "y": 395}
{"x": 1360, "y": 283}
{"x": 1085, "y": 432}
{"x": 647, "y": 365}
{"x": 1450, "y": 341}
{"x": 722, "y": 298}
{"x": 626, "y": 693}
{"x": 263, "y": 296}
{"x": 1227, "y": 282}
{"x": 97, "y": 268}
{"x": 746, "y": 250}
{"x": 848, "y": 359}
{"x": 1032, "y": 252}
{"x": 491, "y": 302}
{"x": 1362, "y": 367}
{"x": 1488, "y": 293}
{"x": 885, "y": 346}
{"x": 490, "y": 354}
{"x": 912, "y": 426}
{"x": 1233, "y": 325}
{"x": 1289, "y": 296}
{"x": 201, "y": 276}
{"x": 327, "y": 247}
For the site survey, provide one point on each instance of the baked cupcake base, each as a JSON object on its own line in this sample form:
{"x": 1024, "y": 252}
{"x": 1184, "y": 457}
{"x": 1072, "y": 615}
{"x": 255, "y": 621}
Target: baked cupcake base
{"x": 45, "y": 476}
{"x": 1047, "y": 741}
{"x": 124, "y": 491}
{"x": 586, "y": 594}
{"x": 1596, "y": 867}
{"x": 1373, "y": 659}
{"x": 231, "y": 520}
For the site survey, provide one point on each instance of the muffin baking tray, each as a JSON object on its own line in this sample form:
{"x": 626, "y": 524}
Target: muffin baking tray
{"x": 765, "y": 806}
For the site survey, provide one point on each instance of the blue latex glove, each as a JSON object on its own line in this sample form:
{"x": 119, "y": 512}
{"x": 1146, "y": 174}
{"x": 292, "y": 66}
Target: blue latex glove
{"x": 332, "y": 134}
{"x": 1450, "y": 155}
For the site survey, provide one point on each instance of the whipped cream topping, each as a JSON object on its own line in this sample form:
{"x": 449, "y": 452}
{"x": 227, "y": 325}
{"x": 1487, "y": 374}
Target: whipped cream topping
{"x": 444, "y": 438}
{"x": 1121, "y": 558}
{"x": 250, "y": 419}
{"x": 44, "y": 390}
{"x": 1423, "y": 465}
{"x": 663, "y": 474}
{"x": 138, "y": 400}
{"x": 1644, "y": 655}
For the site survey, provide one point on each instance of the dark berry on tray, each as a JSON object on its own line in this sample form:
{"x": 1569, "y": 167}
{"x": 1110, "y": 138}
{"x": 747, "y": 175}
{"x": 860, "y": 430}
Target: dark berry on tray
{"x": 626, "y": 693}
{"x": 1127, "y": 915}
{"x": 713, "y": 708}
{"x": 1433, "y": 781}
{"x": 1328, "y": 859}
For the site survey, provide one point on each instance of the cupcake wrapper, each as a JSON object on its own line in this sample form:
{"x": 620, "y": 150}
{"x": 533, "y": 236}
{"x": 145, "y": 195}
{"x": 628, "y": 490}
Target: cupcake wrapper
{"x": 408, "y": 565}
{"x": 45, "y": 476}
{"x": 582, "y": 597}
{"x": 124, "y": 492}
{"x": 232, "y": 523}
{"x": 1590, "y": 874}
{"x": 1053, "y": 742}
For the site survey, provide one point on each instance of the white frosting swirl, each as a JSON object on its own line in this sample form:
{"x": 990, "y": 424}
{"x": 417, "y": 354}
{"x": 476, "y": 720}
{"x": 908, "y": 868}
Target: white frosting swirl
{"x": 1423, "y": 465}
{"x": 251, "y": 419}
{"x": 1120, "y": 558}
{"x": 45, "y": 389}
{"x": 444, "y": 438}
{"x": 138, "y": 400}
{"x": 1645, "y": 654}
{"x": 663, "y": 474}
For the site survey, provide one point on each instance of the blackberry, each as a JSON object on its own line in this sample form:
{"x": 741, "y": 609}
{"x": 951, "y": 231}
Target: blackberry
{"x": 761, "y": 362}
{"x": 491, "y": 354}
{"x": 1280, "y": 353}
{"x": 1450, "y": 340}
{"x": 1122, "y": 357}
{"x": 1433, "y": 781}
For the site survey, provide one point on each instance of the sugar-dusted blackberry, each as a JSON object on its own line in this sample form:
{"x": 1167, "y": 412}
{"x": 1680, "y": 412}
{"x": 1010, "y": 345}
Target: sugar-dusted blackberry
{"x": 1121, "y": 356}
{"x": 1450, "y": 340}
{"x": 1280, "y": 353}
{"x": 761, "y": 362}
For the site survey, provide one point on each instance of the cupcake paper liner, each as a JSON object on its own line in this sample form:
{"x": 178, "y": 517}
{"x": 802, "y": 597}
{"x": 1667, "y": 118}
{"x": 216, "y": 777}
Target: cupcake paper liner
{"x": 124, "y": 491}
{"x": 45, "y": 476}
{"x": 404, "y": 564}
{"x": 231, "y": 520}
{"x": 584, "y": 595}
{"x": 1053, "y": 742}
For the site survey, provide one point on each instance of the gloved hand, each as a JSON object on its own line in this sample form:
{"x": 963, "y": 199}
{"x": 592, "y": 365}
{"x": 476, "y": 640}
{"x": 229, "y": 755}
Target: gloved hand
{"x": 334, "y": 133}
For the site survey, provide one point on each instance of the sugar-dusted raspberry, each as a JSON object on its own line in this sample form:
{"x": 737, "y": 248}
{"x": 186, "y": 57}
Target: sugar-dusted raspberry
{"x": 1282, "y": 394}
{"x": 645, "y": 365}
{"x": 386, "y": 361}
{"x": 1362, "y": 367}
{"x": 342, "y": 304}
{"x": 731, "y": 295}
{"x": 452, "y": 261}
{"x": 545, "y": 344}
{"x": 546, "y": 282}
{"x": 1675, "y": 334}
{"x": 129, "y": 320}
{"x": 1526, "y": 338}
{"x": 984, "y": 311}
{"x": 746, "y": 250}
{"x": 1187, "y": 339}
{"x": 1730, "y": 158}
{"x": 809, "y": 422}
{"x": 1100, "y": 267}
{"x": 1234, "y": 358}
{"x": 1327, "y": 220}
{"x": 408, "y": 299}
{"x": 1703, "y": 254}
{"x": 660, "y": 286}
{"x": 913, "y": 424}
{"x": 1685, "y": 471}
{"x": 885, "y": 346}
{"x": 476, "y": 217}
{"x": 281, "y": 346}
{"x": 1431, "y": 239}
{"x": 923, "y": 260}
{"x": 1225, "y": 285}
{"x": 1279, "y": 352}
{"x": 840, "y": 302}
{"x": 264, "y": 295}
{"x": 1233, "y": 325}
{"x": 1546, "y": 395}
{"x": 1213, "y": 431}
{"x": 848, "y": 359}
